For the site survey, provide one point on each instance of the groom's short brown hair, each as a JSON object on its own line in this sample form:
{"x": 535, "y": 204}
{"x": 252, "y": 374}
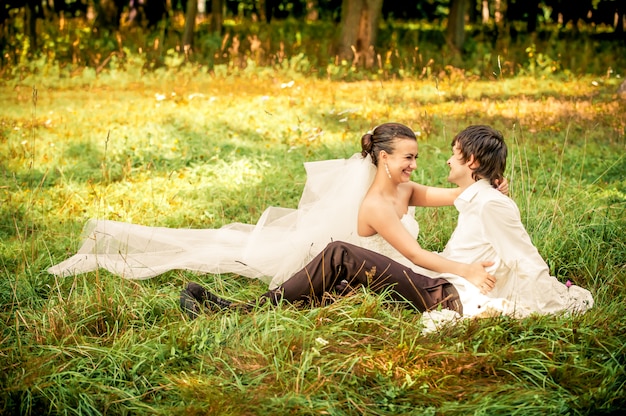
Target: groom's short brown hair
{"x": 488, "y": 148}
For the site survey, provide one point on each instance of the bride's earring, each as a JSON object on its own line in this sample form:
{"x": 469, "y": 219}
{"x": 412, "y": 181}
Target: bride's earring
{"x": 387, "y": 169}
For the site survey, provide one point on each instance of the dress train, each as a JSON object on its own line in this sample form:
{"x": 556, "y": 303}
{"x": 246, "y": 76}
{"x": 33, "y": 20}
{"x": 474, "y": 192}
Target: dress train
{"x": 278, "y": 245}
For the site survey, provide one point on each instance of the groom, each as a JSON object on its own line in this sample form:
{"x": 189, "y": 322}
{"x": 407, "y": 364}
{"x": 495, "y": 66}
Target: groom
{"x": 489, "y": 228}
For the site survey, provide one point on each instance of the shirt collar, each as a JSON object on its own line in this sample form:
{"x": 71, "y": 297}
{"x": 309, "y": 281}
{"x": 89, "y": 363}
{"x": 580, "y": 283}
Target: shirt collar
{"x": 470, "y": 192}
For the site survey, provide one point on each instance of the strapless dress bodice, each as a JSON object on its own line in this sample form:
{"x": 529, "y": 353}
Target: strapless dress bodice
{"x": 379, "y": 245}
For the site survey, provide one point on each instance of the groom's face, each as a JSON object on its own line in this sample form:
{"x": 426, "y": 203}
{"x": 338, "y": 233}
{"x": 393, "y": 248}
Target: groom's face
{"x": 460, "y": 171}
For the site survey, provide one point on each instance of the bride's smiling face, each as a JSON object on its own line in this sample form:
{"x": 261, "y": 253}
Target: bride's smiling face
{"x": 403, "y": 161}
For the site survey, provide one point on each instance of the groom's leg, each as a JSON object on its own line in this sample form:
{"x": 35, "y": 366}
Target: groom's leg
{"x": 340, "y": 260}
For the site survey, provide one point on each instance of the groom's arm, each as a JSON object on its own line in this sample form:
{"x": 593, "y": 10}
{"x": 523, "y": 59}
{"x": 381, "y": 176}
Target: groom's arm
{"x": 504, "y": 230}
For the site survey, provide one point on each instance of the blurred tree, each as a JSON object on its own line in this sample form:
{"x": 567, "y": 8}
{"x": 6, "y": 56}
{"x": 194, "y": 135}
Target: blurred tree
{"x": 357, "y": 19}
{"x": 610, "y": 13}
{"x": 430, "y": 10}
{"x": 330, "y": 9}
{"x": 217, "y": 16}
{"x": 33, "y": 9}
{"x": 359, "y": 28}
{"x": 109, "y": 13}
{"x": 523, "y": 10}
{"x": 568, "y": 12}
{"x": 190, "y": 24}
{"x": 455, "y": 29}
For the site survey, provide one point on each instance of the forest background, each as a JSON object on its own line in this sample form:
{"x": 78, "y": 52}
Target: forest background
{"x": 195, "y": 115}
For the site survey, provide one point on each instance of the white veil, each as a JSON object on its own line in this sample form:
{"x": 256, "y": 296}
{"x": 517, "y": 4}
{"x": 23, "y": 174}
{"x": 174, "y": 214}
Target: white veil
{"x": 278, "y": 245}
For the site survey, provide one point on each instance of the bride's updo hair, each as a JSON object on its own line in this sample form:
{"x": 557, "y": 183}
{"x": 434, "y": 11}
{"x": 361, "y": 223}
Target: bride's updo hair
{"x": 382, "y": 137}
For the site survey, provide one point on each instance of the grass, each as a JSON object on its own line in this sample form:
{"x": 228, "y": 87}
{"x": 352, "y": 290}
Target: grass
{"x": 187, "y": 149}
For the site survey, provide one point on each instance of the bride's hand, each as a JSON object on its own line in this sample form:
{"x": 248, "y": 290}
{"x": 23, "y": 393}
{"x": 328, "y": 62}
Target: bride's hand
{"x": 502, "y": 185}
{"x": 479, "y": 277}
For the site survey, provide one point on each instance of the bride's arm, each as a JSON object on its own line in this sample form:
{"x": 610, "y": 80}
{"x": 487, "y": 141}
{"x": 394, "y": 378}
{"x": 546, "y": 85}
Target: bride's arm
{"x": 431, "y": 196}
{"x": 385, "y": 222}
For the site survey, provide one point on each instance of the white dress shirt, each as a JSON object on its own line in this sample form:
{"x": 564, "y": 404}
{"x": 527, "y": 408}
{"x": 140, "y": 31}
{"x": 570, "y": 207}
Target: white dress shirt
{"x": 489, "y": 228}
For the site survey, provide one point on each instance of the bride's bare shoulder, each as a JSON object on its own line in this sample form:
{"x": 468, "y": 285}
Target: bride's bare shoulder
{"x": 372, "y": 200}
{"x": 369, "y": 212}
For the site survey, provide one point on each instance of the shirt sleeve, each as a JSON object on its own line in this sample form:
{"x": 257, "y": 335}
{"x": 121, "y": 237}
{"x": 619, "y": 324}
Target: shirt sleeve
{"x": 503, "y": 229}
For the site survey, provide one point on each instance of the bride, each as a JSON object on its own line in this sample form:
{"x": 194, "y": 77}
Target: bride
{"x": 281, "y": 242}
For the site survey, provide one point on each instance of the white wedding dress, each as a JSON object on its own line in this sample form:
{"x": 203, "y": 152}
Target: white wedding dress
{"x": 278, "y": 245}
{"x": 379, "y": 245}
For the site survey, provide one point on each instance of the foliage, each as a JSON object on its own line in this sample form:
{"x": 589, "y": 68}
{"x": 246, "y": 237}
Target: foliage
{"x": 181, "y": 146}
{"x": 405, "y": 49}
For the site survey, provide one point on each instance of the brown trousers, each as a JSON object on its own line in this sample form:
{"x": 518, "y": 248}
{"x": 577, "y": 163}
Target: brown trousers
{"x": 343, "y": 261}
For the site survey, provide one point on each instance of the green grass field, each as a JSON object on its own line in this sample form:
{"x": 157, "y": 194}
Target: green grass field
{"x": 187, "y": 149}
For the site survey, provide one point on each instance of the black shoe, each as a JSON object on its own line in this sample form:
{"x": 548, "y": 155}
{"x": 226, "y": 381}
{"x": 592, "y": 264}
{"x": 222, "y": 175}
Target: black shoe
{"x": 203, "y": 296}
{"x": 451, "y": 299}
{"x": 343, "y": 288}
{"x": 189, "y": 305}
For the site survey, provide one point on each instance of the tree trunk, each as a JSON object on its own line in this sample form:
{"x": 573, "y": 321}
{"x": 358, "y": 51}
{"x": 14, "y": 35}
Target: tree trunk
{"x": 312, "y": 14}
{"x": 108, "y": 14}
{"x": 359, "y": 28}
{"x": 533, "y": 14}
{"x": 472, "y": 11}
{"x": 455, "y": 31}
{"x": 485, "y": 12}
{"x": 217, "y": 16}
{"x": 621, "y": 91}
{"x": 621, "y": 23}
{"x": 30, "y": 23}
{"x": 190, "y": 24}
